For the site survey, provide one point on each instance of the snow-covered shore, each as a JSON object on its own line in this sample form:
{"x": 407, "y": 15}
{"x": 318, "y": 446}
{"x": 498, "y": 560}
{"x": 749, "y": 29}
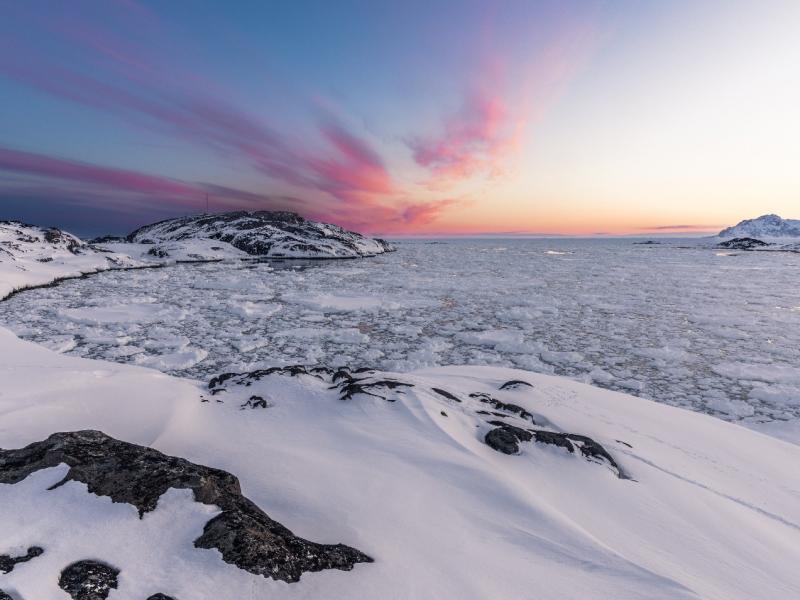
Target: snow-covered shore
{"x": 32, "y": 255}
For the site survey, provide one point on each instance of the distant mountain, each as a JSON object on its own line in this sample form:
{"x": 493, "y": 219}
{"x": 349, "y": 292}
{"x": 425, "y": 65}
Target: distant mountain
{"x": 765, "y": 226}
{"x": 262, "y": 233}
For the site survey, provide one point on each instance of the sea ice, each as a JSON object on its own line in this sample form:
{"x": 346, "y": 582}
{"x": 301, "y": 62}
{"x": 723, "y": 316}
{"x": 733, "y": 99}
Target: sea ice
{"x": 666, "y": 322}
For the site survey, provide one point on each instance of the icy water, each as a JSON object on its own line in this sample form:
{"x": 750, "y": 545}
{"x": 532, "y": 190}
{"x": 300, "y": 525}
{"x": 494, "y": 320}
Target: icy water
{"x": 693, "y": 327}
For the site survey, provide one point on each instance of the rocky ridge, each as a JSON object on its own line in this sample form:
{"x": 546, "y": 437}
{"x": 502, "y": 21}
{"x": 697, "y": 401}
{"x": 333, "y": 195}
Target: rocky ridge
{"x": 505, "y": 424}
{"x": 261, "y": 233}
{"x": 244, "y": 535}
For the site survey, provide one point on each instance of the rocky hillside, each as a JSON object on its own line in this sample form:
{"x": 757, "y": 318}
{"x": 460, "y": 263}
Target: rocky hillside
{"x": 262, "y": 233}
{"x": 765, "y": 226}
{"x": 31, "y": 255}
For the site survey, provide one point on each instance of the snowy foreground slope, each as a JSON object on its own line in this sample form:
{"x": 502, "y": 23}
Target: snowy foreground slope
{"x": 245, "y": 234}
{"x": 398, "y": 467}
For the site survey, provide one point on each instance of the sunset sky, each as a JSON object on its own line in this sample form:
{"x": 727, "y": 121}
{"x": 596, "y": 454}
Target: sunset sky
{"x": 427, "y": 117}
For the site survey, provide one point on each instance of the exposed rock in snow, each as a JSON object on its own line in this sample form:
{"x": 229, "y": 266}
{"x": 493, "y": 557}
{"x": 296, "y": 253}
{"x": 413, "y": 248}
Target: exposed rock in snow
{"x": 743, "y": 243}
{"x": 506, "y": 438}
{"x": 88, "y": 580}
{"x": 244, "y": 535}
{"x": 514, "y": 384}
{"x": 765, "y": 226}
{"x": 7, "y": 562}
{"x": 262, "y": 233}
{"x": 503, "y": 438}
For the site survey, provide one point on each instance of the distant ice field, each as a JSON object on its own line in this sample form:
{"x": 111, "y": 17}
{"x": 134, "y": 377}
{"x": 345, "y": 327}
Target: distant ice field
{"x": 718, "y": 332}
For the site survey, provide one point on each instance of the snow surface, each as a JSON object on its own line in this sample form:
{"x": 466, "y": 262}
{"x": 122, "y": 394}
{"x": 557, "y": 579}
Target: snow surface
{"x": 712, "y": 510}
{"x": 676, "y": 324}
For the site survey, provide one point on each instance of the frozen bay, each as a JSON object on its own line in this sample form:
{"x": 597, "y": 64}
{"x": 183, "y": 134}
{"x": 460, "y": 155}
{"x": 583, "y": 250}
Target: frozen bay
{"x": 717, "y": 332}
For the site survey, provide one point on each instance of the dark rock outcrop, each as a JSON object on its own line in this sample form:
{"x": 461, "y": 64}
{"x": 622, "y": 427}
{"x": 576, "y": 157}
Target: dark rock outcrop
{"x": 56, "y": 237}
{"x": 515, "y": 384}
{"x": 88, "y": 580}
{"x": 446, "y": 394}
{"x": 5, "y": 596}
{"x": 160, "y": 596}
{"x": 350, "y": 388}
{"x": 221, "y": 382}
{"x": 345, "y": 380}
{"x": 7, "y": 562}
{"x": 242, "y": 532}
{"x": 504, "y": 406}
{"x": 255, "y": 402}
{"x": 506, "y": 438}
{"x": 743, "y": 243}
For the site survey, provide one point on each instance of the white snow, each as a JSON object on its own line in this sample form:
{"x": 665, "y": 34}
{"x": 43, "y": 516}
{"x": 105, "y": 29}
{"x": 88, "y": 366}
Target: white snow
{"x": 139, "y": 312}
{"x": 339, "y": 303}
{"x": 712, "y": 509}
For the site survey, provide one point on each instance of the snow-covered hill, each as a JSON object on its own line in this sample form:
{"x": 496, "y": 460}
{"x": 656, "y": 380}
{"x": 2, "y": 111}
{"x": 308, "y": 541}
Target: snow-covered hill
{"x": 31, "y": 255}
{"x": 263, "y": 233}
{"x": 765, "y": 226}
{"x": 603, "y": 495}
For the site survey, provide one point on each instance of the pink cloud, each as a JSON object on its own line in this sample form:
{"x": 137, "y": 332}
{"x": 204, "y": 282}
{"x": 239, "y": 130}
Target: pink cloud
{"x": 39, "y": 172}
{"x": 489, "y": 126}
{"x": 37, "y": 164}
{"x": 343, "y": 175}
{"x": 354, "y": 167}
{"x": 475, "y": 139}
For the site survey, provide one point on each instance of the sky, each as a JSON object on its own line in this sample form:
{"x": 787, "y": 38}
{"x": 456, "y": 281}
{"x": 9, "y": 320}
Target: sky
{"x": 426, "y": 117}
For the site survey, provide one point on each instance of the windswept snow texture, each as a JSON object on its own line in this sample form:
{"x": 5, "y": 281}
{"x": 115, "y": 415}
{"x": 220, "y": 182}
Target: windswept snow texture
{"x": 263, "y": 233}
{"x": 684, "y": 326}
{"x": 711, "y": 510}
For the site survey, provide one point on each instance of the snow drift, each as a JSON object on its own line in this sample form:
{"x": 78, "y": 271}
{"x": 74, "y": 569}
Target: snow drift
{"x": 400, "y": 467}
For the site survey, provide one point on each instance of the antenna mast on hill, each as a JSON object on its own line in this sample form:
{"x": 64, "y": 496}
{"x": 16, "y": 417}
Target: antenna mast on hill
{"x": 206, "y": 202}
